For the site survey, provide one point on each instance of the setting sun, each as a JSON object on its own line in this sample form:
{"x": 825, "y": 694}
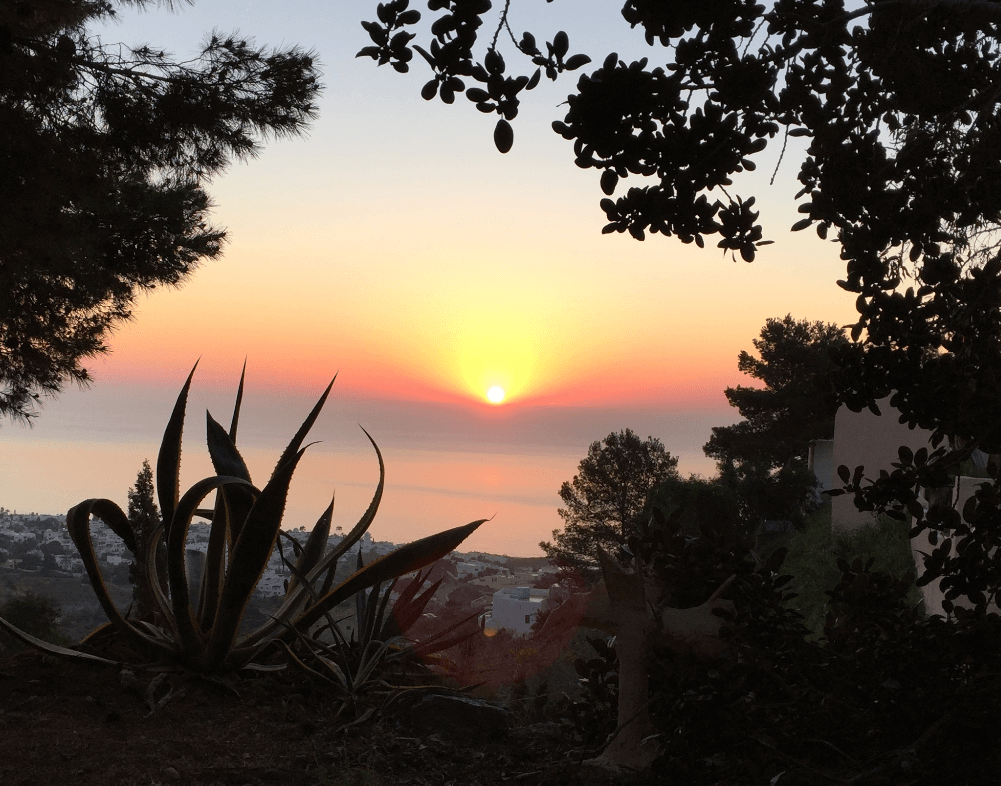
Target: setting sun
{"x": 495, "y": 395}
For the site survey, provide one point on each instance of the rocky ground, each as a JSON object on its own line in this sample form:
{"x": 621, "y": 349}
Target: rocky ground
{"x": 63, "y": 722}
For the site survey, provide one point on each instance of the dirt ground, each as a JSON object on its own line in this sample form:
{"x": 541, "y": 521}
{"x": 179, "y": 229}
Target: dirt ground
{"x": 63, "y": 722}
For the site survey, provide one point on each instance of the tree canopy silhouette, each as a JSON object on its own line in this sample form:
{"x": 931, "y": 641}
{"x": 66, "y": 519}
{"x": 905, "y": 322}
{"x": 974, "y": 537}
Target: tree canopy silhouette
{"x": 793, "y": 407}
{"x": 897, "y": 103}
{"x": 763, "y": 458}
{"x": 607, "y": 497}
{"x": 105, "y": 152}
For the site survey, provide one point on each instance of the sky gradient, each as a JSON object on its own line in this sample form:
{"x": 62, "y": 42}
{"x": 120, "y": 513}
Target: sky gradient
{"x": 395, "y": 247}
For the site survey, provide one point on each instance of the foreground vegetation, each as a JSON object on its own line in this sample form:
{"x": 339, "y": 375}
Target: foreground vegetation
{"x": 872, "y": 693}
{"x": 814, "y": 552}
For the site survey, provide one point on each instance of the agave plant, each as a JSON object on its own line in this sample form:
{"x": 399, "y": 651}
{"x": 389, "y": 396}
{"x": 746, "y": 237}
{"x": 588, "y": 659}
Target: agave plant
{"x": 358, "y": 667}
{"x": 203, "y": 633}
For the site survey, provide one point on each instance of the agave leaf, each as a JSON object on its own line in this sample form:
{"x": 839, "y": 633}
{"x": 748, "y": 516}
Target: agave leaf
{"x": 239, "y": 401}
{"x": 157, "y": 632}
{"x": 407, "y": 610}
{"x": 340, "y": 679}
{"x": 296, "y": 548}
{"x": 214, "y": 570}
{"x": 403, "y": 560}
{"x": 373, "y": 656}
{"x": 168, "y": 462}
{"x": 297, "y": 597}
{"x": 248, "y": 560}
{"x": 98, "y": 631}
{"x": 441, "y": 640}
{"x": 157, "y": 582}
{"x": 311, "y": 671}
{"x": 189, "y": 636}
{"x": 226, "y": 460}
{"x": 405, "y": 603}
{"x": 289, "y": 609}
{"x": 53, "y": 649}
{"x": 375, "y": 624}
{"x": 293, "y": 447}
{"x": 346, "y": 679}
{"x": 329, "y": 562}
{"x": 112, "y": 515}
{"x": 414, "y": 586}
{"x": 316, "y": 543}
{"x": 78, "y": 524}
{"x": 264, "y": 667}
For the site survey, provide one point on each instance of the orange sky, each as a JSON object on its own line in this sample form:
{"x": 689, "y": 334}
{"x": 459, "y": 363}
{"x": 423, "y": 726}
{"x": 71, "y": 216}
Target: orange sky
{"x": 395, "y": 246}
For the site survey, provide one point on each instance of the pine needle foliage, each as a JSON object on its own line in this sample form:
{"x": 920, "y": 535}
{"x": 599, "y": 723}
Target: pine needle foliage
{"x": 105, "y": 154}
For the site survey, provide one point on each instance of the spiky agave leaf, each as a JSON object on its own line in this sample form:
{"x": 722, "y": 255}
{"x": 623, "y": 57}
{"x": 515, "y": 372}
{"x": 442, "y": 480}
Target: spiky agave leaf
{"x": 78, "y": 524}
{"x": 403, "y": 560}
{"x": 239, "y": 401}
{"x": 329, "y": 563}
{"x": 157, "y": 582}
{"x": 337, "y": 680}
{"x": 307, "y": 424}
{"x": 226, "y": 460}
{"x": 233, "y": 504}
{"x": 316, "y": 543}
{"x": 299, "y": 597}
{"x": 191, "y": 637}
{"x": 168, "y": 461}
{"x": 373, "y": 625}
{"x": 53, "y": 649}
{"x": 248, "y": 560}
{"x": 446, "y": 638}
{"x": 214, "y": 570}
{"x": 409, "y": 607}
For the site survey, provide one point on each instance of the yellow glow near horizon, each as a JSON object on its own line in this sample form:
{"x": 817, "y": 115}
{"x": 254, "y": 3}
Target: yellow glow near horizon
{"x": 495, "y": 394}
{"x": 497, "y": 352}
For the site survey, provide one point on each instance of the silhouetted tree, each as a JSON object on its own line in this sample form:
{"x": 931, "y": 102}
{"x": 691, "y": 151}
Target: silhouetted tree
{"x": 145, "y": 519}
{"x": 793, "y": 407}
{"x": 104, "y": 154}
{"x": 763, "y": 458}
{"x": 898, "y": 107}
{"x": 606, "y": 498}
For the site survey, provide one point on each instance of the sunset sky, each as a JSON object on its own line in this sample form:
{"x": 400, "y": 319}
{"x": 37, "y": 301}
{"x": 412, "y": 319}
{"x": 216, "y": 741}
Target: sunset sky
{"x": 394, "y": 246}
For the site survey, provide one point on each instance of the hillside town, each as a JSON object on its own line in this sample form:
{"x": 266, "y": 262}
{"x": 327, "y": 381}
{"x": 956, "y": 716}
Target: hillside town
{"x": 508, "y": 597}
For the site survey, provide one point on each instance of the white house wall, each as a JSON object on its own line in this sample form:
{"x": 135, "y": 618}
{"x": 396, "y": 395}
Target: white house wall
{"x": 872, "y": 441}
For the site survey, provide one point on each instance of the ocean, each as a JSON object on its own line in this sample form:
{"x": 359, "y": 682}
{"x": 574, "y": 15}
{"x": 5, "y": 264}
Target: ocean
{"x": 446, "y": 464}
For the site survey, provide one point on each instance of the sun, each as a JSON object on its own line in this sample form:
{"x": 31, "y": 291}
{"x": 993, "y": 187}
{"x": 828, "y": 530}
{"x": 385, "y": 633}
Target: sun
{"x": 495, "y": 395}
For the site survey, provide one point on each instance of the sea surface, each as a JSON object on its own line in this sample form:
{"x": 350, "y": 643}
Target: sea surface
{"x": 446, "y": 464}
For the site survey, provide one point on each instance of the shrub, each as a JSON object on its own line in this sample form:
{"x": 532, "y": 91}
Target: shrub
{"x": 34, "y": 614}
{"x": 814, "y": 551}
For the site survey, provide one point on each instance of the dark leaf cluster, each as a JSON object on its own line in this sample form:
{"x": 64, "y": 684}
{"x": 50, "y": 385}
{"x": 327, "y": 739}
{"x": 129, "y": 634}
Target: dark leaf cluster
{"x": 105, "y": 152}
{"x": 886, "y": 696}
{"x": 897, "y": 101}
{"x": 451, "y": 57}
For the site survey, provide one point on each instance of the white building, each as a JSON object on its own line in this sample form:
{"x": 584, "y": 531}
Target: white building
{"x": 515, "y": 608}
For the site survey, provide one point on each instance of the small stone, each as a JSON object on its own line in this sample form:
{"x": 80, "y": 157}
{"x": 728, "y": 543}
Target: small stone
{"x": 170, "y": 772}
